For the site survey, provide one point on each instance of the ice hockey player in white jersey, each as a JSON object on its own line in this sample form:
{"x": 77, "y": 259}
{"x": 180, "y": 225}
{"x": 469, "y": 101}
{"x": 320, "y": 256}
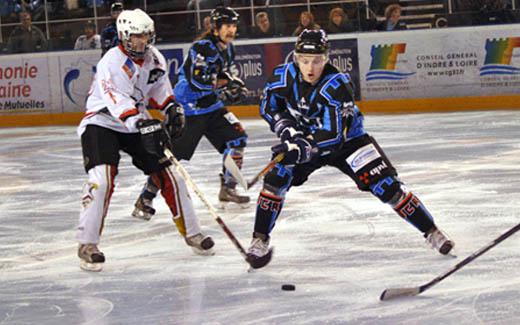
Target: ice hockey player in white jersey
{"x": 129, "y": 78}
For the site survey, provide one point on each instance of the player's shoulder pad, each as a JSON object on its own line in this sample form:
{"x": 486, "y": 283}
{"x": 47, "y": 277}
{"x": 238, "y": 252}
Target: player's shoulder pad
{"x": 116, "y": 62}
{"x": 158, "y": 58}
{"x": 283, "y": 75}
{"x": 205, "y": 47}
{"x": 338, "y": 85}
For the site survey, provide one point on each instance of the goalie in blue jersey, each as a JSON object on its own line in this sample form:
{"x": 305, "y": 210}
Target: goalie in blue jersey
{"x": 309, "y": 104}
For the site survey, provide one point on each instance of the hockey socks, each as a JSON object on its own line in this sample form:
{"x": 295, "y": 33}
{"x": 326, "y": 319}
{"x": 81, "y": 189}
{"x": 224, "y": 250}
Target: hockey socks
{"x": 413, "y": 210}
{"x": 268, "y": 209}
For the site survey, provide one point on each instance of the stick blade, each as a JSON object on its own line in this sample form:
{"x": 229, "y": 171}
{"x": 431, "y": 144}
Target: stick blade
{"x": 260, "y": 262}
{"x": 233, "y": 169}
{"x": 394, "y": 293}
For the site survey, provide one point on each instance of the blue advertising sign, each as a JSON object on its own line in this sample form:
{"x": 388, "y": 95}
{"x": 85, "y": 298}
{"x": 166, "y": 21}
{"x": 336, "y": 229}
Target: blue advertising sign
{"x": 256, "y": 62}
{"x": 174, "y": 60}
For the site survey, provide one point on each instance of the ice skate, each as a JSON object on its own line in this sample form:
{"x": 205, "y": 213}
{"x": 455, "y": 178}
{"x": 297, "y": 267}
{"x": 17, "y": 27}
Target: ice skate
{"x": 91, "y": 259}
{"x": 143, "y": 209}
{"x": 439, "y": 241}
{"x": 259, "y": 254}
{"x": 201, "y": 244}
{"x": 228, "y": 194}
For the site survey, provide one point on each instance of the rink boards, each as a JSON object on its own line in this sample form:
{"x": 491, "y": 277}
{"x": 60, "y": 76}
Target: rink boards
{"x": 452, "y": 69}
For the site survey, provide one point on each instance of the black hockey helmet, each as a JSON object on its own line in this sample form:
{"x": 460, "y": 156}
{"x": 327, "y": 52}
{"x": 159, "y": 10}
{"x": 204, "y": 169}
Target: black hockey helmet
{"x": 223, "y": 15}
{"x": 312, "y": 42}
{"x": 116, "y": 6}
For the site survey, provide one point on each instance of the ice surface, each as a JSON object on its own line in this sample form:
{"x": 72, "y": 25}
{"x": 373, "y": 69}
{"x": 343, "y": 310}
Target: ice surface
{"x": 340, "y": 247}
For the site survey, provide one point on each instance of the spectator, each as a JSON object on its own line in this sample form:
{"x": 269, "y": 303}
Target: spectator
{"x": 26, "y": 38}
{"x": 495, "y": 12}
{"x": 109, "y": 37}
{"x": 9, "y": 8}
{"x": 338, "y": 22}
{"x": 90, "y": 40}
{"x": 206, "y": 23}
{"x": 392, "y": 19}
{"x": 306, "y": 22}
{"x": 263, "y": 28}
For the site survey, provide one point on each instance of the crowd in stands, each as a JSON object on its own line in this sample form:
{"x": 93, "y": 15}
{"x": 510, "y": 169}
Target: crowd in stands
{"x": 24, "y": 29}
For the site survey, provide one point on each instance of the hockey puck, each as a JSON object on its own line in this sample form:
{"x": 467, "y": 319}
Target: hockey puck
{"x": 288, "y": 287}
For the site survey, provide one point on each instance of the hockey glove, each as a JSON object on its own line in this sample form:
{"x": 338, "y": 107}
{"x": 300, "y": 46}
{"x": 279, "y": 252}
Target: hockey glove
{"x": 174, "y": 120}
{"x": 234, "y": 92}
{"x": 286, "y": 129}
{"x": 298, "y": 150}
{"x": 153, "y": 136}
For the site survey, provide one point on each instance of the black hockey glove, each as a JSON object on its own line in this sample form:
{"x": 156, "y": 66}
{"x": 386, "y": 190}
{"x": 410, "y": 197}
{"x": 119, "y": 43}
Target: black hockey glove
{"x": 153, "y": 136}
{"x": 174, "y": 120}
{"x": 297, "y": 150}
{"x": 234, "y": 92}
{"x": 286, "y": 128}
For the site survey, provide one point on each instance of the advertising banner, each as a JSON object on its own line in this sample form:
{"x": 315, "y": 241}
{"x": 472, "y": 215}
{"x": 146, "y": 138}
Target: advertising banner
{"x": 24, "y": 86}
{"x": 440, "y": 63}
{"x": 476, "y": 62}
{"x": 255, "y": 63}
{"x": 76, "y": 74}
{"x": 174, "y": 59}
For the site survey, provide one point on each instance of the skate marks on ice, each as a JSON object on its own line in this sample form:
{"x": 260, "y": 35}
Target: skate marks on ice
{"x": 338, "y": 246}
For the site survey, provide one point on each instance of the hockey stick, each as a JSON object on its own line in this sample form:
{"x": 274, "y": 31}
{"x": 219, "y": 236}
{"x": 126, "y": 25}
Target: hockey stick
{"x": 405, "y": 292}
{"x": 233, "y": 169}
{"x": 266, "y": 169}
{"x": 254, "y": 264}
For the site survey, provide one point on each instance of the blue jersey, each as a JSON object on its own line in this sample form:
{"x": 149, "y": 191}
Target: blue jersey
{"x": 205, "y": 63}
{"x": 109, "y": 37}
{"x": 325, "y": 110}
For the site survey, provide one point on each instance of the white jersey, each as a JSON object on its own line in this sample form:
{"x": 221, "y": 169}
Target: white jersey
{"x": 122, "y": 89}
{"x": 84, "y": 43}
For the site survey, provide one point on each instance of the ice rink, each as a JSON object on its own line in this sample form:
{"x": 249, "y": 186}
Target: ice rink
{"x": 340, "y": 247}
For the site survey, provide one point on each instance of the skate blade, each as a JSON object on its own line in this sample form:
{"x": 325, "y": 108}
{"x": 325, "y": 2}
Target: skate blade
{"x": 202, "y": 252}
{"x": 232, "y": 206}
{"x": 138, "y": 214}
{"x": 260, "y": 262}
{"x": 91, "y": 267}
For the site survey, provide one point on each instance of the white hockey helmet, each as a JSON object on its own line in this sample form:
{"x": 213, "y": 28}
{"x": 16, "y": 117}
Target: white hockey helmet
{"x": 134, "y": 22}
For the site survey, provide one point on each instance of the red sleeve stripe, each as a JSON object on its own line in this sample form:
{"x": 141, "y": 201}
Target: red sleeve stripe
{"x": 153, "y": 104}
{"x": 130, "y": 112}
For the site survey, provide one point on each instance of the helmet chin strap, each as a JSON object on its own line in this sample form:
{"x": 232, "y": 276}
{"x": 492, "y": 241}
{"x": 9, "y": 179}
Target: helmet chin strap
{"x": 133, "y": 53}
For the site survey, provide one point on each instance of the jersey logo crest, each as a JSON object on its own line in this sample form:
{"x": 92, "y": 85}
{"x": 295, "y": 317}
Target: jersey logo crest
{"x": 155, "y": 75}
{"x": 129, "y": 68}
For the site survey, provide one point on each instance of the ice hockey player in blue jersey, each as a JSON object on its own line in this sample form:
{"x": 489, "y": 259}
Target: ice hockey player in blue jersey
{"x": 309, "y": 104}
{"x": 208, "y": 80}
{"x": 109, "y": 37}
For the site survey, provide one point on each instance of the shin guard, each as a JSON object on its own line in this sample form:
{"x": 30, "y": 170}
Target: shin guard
{"x": 237, "y": 154}
{"x": 268, "y": 208}
{"x": 413, "y": 210}
{"x": 96, "y": 197}
{"x": 149, "y": 191}
{"x": 173, "y": 189}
